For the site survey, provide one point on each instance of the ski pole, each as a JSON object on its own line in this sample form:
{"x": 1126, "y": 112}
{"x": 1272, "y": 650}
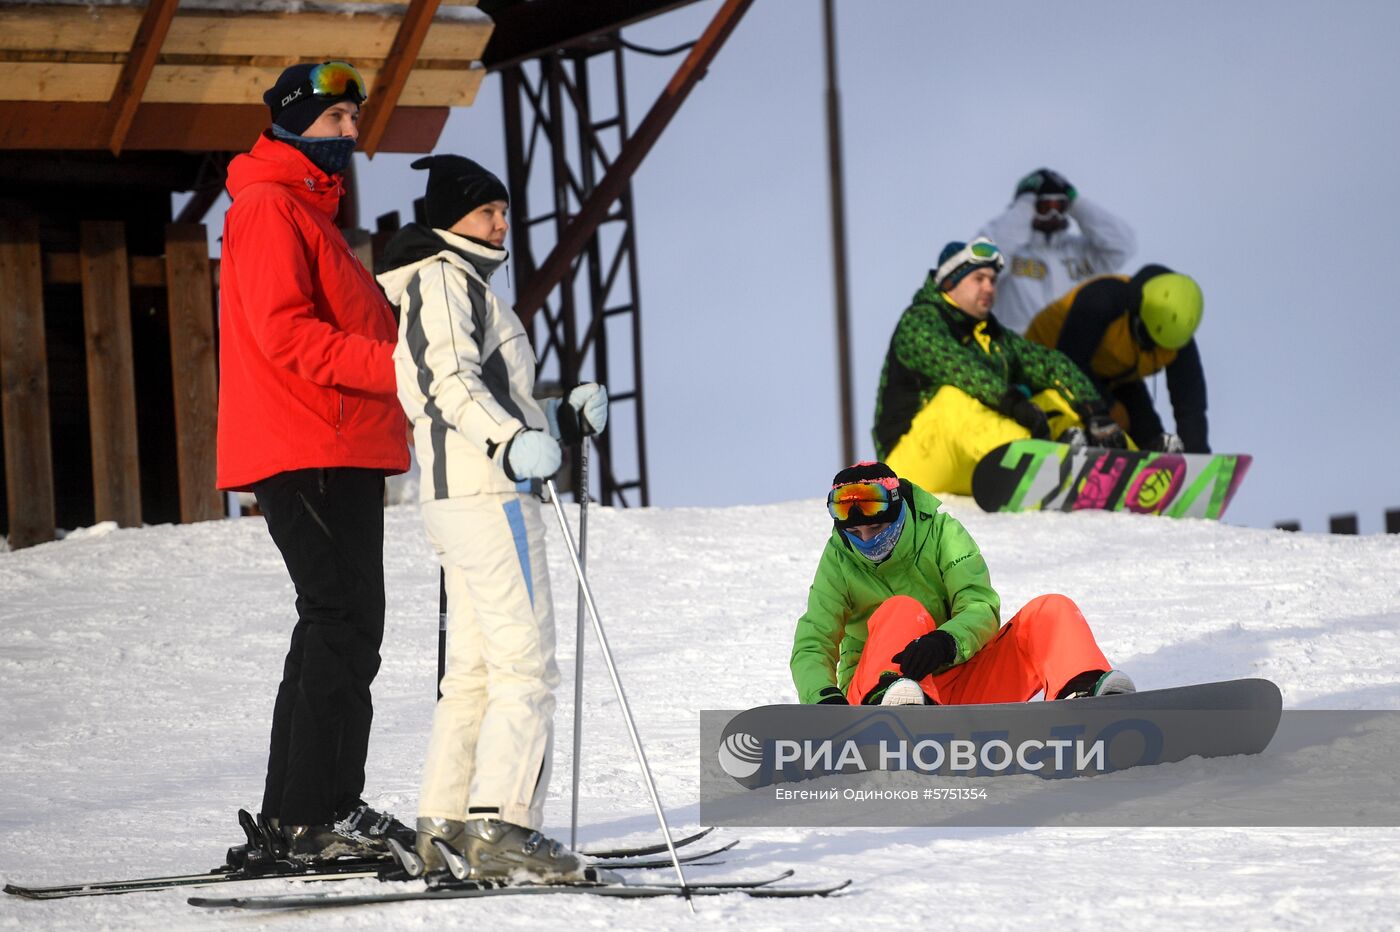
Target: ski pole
{"x": 579, "y": 635}
{"x": 442, "y": 627}
{"x": 617, "y": 685}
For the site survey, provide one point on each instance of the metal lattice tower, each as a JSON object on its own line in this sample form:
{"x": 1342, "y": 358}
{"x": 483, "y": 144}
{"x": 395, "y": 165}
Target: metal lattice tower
{"x": 565, "y": 121}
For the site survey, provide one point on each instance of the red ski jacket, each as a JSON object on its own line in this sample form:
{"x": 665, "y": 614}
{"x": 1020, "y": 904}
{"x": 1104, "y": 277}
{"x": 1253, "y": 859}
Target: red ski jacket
{"x": 306, "y": 337}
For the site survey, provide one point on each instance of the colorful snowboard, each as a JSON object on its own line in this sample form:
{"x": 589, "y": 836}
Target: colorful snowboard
{"x": 1041, "y": 475}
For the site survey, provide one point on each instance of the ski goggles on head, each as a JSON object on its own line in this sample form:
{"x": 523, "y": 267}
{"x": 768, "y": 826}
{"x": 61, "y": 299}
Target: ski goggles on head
{"x": 979, "y": 252}
{"x": 848, "y": 504}
{"x": 334, "y": 79}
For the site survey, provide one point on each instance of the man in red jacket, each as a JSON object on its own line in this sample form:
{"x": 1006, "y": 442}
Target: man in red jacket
{"x": 309, "y": 421}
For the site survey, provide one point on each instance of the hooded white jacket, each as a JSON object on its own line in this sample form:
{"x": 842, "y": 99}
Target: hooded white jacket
{"x": 464, "y": 363}
{"x": 1040, "y": 267}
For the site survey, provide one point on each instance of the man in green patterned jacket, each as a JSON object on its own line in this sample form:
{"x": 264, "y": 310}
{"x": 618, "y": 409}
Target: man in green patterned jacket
{"x": 956, "y": 384}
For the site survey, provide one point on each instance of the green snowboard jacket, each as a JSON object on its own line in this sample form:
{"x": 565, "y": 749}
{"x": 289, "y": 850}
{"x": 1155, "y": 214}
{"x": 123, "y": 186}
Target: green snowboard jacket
{"x": 935, "y": 561}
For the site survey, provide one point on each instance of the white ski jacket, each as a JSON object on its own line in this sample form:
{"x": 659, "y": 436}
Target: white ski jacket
{"x": 1040, "y": 267}
{"x": 464, "y": 364}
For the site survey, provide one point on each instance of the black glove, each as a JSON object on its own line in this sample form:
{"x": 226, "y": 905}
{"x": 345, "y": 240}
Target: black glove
{"x": 925, "y": 654}
{"x": 1100, "y": 428}
{"x": 1015, "y": 405}
{"x": 1052, "y": 183}
{"x": 832, "y": 695}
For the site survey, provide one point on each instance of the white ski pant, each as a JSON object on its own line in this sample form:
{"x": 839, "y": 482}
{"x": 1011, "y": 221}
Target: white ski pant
{"x": 493, "y": 729}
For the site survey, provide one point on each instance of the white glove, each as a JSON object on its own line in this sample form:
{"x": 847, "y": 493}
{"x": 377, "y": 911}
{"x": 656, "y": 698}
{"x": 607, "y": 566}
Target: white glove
{"x": 583, "y": 412}
{"x": 531, "y": 454}
{"x": 590, "y": 402}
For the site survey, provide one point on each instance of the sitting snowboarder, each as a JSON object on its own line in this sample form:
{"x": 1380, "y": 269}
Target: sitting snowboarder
{"x": 956, "y": 384}
{"x": 1120, "y": 330}
{"x": 938, "y": 638}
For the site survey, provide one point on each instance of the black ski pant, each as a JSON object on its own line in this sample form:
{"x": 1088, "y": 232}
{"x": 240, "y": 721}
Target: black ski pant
{"x": 329, "y": 525}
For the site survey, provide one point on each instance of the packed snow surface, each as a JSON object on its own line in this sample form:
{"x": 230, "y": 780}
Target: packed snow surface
{"x": 139, "y": 667}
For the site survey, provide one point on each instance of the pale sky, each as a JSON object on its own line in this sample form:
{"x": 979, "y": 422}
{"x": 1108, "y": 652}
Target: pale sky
{"x": 1251, "y": 145}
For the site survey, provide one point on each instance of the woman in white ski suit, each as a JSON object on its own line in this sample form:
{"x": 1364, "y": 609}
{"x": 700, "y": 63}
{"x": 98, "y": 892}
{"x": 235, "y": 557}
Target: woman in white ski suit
{"x": 466, "y": 378}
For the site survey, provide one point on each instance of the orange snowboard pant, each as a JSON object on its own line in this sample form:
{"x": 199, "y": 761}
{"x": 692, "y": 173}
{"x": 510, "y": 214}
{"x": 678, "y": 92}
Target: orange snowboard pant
{"x": 1044, "y": 646}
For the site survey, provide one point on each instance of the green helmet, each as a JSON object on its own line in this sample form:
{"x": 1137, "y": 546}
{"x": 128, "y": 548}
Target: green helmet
{"x": 1171, "y": 309}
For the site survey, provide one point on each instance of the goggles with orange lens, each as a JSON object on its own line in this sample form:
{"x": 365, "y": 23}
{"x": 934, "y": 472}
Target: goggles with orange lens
{"x": 849, "y": 504}
{"x": 332, "y": 79}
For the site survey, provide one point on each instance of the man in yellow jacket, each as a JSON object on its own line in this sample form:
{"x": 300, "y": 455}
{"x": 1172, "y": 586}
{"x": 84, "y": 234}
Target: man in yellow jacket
{"x": 1121, "y": 330}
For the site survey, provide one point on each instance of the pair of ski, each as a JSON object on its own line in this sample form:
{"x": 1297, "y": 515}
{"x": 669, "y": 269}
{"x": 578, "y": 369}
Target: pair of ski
{"x": 602, "y": 880}
{"x": 631, "y": 858}
{"x": 760, "y": 888}
{"x": 257, "y": 861}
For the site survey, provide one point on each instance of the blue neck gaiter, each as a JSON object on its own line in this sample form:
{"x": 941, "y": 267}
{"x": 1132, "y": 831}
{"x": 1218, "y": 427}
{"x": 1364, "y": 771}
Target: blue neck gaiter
{"x": 330, "y": 155}
{"x": 878, "y": 548}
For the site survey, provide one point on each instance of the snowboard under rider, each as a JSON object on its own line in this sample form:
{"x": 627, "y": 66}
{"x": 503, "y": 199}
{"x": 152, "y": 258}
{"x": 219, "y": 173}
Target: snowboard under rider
{"x": 938, "y": 639}
{"x": 309, "y": 422}
{"x": 956, "y": 384}
{"x": 1047, "y": 257}
{"x": 466, "y": 377}
{"x": 1119, "y": 331}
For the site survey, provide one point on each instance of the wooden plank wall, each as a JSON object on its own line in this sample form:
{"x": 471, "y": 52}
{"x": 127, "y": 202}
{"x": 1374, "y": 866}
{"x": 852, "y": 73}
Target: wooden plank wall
{"x": 106, "y": 273}
{"x": 192, "y": 360}
{"x": 116, "y": 468}
{"x": 24, "y": 385}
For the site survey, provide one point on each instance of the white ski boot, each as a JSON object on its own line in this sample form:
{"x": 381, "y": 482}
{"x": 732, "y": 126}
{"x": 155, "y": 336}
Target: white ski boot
{"x": 498, "y": 850}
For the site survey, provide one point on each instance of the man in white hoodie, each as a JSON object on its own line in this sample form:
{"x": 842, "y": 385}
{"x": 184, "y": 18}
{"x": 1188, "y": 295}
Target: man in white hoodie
{"x": 466, "y": 377}
{"x": 1045, "y": 257}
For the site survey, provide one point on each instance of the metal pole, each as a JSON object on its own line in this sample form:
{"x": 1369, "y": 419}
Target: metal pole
{"x": 582, "y": 497}
{"x": 442, "y": 627}
{"x": 617, "y": 686}
{"x": 839, "y": 255}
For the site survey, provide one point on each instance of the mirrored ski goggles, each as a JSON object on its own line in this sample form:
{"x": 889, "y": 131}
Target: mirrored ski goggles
{"x": 980, "y": 251}
{"x": 862, "y": 499}
{"x": 337, "y": 79}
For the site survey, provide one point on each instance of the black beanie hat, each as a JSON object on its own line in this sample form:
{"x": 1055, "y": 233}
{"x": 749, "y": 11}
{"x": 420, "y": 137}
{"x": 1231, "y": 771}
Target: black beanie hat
{"x": 456, "y": 187}
{"x": 294, "y": 107}
{"x": 869, "y": 471}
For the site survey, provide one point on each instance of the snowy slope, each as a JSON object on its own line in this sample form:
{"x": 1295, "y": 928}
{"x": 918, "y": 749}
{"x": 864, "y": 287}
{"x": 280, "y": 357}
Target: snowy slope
{"x": 138, "y": 670}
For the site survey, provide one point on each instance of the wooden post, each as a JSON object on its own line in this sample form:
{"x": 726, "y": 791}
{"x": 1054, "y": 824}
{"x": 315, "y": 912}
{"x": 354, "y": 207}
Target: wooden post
{"x": 1343, "y": 524}
{"x": 24, "y": 386}
{"x": 1288, "y": 526}
{"x": 116, "y": 468}
{"x": 189, "y": 301}
{"x": 1392, "y": 521}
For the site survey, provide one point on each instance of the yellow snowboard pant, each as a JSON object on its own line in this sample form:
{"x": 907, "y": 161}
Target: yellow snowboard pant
{"x": 954, "y": 431}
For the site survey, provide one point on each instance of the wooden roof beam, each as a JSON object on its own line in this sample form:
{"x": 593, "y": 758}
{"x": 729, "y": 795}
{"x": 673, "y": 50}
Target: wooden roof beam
{"x": 389, "y": 84}
{"x": 140, "y": 62}
{"x": 28, "y": 124}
